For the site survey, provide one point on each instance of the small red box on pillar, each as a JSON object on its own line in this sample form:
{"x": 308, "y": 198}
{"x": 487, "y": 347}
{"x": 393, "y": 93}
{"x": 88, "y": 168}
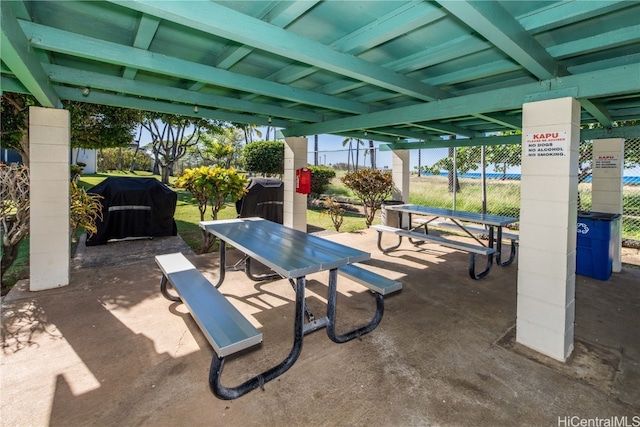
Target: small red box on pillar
{"x": 303, "y": 181}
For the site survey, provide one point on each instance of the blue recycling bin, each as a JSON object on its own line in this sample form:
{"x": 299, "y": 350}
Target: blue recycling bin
{"x": 597, "y": 232}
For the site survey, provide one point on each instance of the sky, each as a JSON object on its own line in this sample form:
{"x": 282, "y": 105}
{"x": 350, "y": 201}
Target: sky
{"x": 331, "y": 151}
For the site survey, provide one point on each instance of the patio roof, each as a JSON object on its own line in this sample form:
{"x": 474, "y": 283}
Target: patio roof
{"x": 402, "y": 71}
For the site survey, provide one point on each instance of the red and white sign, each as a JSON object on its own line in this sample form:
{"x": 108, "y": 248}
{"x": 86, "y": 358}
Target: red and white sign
{"x": 546, "y": 144}
{"x": 606, "y": 162}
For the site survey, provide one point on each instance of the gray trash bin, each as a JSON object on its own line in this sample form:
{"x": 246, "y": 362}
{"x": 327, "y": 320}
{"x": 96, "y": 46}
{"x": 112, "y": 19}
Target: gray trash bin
{"x": 389, "y": 217}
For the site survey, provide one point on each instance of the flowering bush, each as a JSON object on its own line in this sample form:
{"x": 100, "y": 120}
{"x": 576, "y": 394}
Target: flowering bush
{"x": 212, "y": 186}
{"x": 372, "y": 187}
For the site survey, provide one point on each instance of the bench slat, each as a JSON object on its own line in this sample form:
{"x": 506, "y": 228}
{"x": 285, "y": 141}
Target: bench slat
{"x": 385, "y": 228}
{"x": 467, "y": 247}
{"x": 452, "y": 226}
{"x": 226, "y": 329}
{"x": 371, "y": 280}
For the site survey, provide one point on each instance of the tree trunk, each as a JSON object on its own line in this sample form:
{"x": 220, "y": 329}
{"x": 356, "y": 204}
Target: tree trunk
{"x": 315, "y": 150}
{"x": 451, "y": 175}
{"x": 9, "y": 255}
{"x": 23, "y": 149}
{"x": 372, "y": 152}
{"x": 166, "y": 171}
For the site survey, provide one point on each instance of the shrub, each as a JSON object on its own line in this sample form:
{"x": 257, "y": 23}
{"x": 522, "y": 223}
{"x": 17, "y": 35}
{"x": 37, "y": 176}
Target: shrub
{"x": 371, "y": 186}
{"x": 265, "y": 157}
{"x": 85, "y": 209}
{"x": 212, "y": 186}
{"x": 335, "y": 211}
{"x": 320, "y": 178}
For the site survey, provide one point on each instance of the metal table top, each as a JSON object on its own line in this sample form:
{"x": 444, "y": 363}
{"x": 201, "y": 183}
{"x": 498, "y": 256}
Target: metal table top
{"x": 479, "y": 218}
{"x": 289, "y": 252}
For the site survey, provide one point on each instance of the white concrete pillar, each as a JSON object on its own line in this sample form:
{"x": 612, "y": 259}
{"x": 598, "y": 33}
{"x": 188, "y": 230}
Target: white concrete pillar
{"x": 607, "y": 187}
{"x": 400, "y": 168}
{"x": 548, "y": 215}
{"x": 295, "y": 204}
{"x": 49, "y": 142}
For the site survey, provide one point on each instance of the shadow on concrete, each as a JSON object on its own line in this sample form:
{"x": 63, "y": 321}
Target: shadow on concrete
{"x": 110, "y": 350}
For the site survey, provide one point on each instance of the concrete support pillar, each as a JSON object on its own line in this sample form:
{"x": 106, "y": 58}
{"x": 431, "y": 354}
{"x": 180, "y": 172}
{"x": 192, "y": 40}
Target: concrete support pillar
{"x": 607, "y": 186}
{"x": 400, "y": 169}
{"x": 49, "y": 144}
{"x": 548, "y": 222}
{"x": 295, "y": 204}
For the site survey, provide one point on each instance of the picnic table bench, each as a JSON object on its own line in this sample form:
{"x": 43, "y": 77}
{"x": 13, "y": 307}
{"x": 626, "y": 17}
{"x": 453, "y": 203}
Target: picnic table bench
{"x": 228, "y": 331}
{"x": 492, "y": 250}
{"x": 474, "y": 250}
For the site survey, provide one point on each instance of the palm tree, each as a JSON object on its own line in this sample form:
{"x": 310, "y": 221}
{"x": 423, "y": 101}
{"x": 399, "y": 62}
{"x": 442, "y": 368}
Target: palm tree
{"x": 349, "y": 152}
{"x": 359, "y": 142}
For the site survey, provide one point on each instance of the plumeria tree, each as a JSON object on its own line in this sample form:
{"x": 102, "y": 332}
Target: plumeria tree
{"x": 14, "y": 211}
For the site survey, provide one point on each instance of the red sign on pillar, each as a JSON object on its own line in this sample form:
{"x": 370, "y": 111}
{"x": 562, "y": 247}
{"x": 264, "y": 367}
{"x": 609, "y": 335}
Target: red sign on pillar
{"x": 303, "y": 181}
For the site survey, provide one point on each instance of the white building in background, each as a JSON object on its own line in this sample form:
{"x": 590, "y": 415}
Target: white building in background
{"x": 87, "y": 156}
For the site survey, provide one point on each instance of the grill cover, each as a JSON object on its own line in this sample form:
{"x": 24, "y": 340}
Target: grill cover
{"x": 134, "y": 207}
{"x": 264, "y": 199}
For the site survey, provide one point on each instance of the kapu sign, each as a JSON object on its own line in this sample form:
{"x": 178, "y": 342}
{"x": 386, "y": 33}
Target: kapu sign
{"x": 546, "y": 144}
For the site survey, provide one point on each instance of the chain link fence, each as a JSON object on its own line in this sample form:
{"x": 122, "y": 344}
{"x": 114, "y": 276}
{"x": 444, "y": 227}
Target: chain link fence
{"x": 494, "y": 188}
{"x": 630, "y": 190}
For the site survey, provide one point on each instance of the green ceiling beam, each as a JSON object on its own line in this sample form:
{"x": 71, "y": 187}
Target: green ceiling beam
{"x": 617, "y": 80}
{"x": 400, "y": 21}
{"x": 146, "y": 31}
{"x": 244, "y": 29}
{"x": 12, "y": 84}
{"x": 121, "y": 85}
{"x": 101, "y": 98}
{"x": 598, "y": 111}
{"x": 495, "y": 24}
{"x": 609, "y": 40}
{"x": 22, "y": 62}
{"x": 564, "y": 13}
{"x": 280, "y": 14}
{"x": 445, "y": 143}
{"x": 99, "y": 50}
{"x": 585, "y": 134}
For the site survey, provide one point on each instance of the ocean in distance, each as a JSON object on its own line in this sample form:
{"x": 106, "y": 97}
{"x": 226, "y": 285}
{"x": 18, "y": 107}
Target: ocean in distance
{"x": 627, "y": 180}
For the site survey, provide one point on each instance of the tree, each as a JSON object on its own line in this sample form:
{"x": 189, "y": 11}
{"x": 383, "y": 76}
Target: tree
{"x": 14, "y": 211}
{"x": 169, "y": 138}
{"x": 248, "y": 130}
{"x": 222, "y": 148}
{"x": 101, "y": 126}
{"x": 502, "y": 157}
{"x": 350, "y": 141}
{"x": 266, "y": 157}
{"x": 92, "y": 126}
{"x": 211, "y": 186}
{"x": 372, "y": 187}
{"x": 14, "y": 114}
{"x": 467, "y": 158}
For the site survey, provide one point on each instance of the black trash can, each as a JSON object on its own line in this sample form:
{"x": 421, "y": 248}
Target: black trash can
{"x": 596, "y": 244}
{"x": 390, "y": 217}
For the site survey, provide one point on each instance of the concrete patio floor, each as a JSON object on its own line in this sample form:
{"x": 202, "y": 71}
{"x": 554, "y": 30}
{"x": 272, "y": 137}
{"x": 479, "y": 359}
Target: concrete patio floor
{"x": 109, "y": 350}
